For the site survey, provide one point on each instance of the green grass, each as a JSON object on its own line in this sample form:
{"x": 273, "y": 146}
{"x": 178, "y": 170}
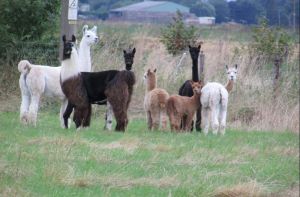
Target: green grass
{"x": 50, "y": 161}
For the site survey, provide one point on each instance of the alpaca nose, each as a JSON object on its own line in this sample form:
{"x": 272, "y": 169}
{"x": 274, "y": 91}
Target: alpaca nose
{"x": 232, "y": 77}
{"x": 96, "y": 39}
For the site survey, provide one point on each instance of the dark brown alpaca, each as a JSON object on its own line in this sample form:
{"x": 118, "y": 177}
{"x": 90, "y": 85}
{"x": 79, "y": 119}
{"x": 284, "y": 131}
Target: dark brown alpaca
{"x": 72, "y": 84}
{"x": 119, "y": 92}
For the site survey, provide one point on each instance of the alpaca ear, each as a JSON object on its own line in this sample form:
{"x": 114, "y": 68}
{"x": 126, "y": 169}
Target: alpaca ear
{"x": 94, "y": 29}
{"x": 148, "y": 71}
{"x": 190, "y": 46}
{"x": 124, "y": 51}
{"x": 226, "y": 67}
{"x": 85, "y": 27}
{"x": 73, "y": 38}
{"x": 199, "y": 47}
{"x": 154, "y": 70}
{"x": 236, "y": 66}
{"x": 64, "y": 38}
{"x": 133, "y": 51}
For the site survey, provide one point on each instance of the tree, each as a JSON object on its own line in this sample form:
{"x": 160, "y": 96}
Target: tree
{"x": 203, "y": 9}
{"x": 176, "y": 36}
{"x": 222, "y": 10}
{"x": 245, "y": 11}
{"x": 27, "y": 19}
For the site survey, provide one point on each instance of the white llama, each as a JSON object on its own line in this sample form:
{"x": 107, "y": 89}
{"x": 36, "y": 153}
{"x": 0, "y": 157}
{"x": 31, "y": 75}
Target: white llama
{"x": 214, "y": 99}
{"x": 38, "y": 80}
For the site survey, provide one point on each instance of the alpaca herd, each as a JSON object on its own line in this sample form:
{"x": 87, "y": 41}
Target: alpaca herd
{"x": 77, "y": 87}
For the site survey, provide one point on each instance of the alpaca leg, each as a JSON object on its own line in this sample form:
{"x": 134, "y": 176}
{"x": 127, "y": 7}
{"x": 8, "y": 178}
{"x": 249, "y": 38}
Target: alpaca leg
{"x": 189, "y": 121}
{"x": 63, "y": 107}
{"x": 163, "y": 117}
{"x": 122, "y": 121}
{"x": 108, "y": 117}
{"x": 149, "y": 120}
{"x": 24, "y": 108}
{"x": 222, "y": 119}
{"x": 33, "y": 109}
{"x": 205, "y": 116}
{"x": 215, "y": 119}
{"x": 87, "y": 116}
{"x": 155, "y": 115}
{"x": 198, "y": 119}
{"x": 77, "y": 117}
{"x": 67, "y": 113}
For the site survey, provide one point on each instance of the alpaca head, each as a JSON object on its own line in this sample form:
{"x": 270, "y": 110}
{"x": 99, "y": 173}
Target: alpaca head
{"x": 150, "y": 79}
{"x": 89, "y": 36}
{"x": 231, "y": 73}
{"x": 68, "y": 47}
{"x": 196, "y": 86}
{"x": 194, "y": 51}
{"x": 128, "y": 57}
{"x": 150, "y": 75}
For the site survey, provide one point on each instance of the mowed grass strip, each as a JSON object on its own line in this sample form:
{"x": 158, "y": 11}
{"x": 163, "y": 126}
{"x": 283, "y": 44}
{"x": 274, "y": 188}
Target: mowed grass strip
{"x": 50, "y": 161}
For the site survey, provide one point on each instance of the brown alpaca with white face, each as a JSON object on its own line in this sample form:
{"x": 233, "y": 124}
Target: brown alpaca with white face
{"x": 180, "y": 106}
{"x": 154, "y": 102}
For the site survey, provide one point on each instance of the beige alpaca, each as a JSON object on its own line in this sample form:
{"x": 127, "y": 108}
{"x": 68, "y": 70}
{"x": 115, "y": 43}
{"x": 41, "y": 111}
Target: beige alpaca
{"x": 155, "y": 101}
{"x": 179, "y": 106}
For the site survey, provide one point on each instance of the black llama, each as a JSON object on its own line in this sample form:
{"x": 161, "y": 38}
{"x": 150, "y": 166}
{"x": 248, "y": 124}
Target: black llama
{"x": 187, "y": 90}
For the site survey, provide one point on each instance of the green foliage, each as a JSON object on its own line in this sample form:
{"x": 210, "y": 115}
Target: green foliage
{"x": 203, "y": 9}
{"x": 177, "y": 36}
{"x": 270, "y": 43}
{"x": 26, "y": 20}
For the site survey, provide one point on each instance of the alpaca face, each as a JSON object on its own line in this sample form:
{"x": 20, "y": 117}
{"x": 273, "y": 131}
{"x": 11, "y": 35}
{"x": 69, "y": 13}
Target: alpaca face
{"x": 150, "y": 75}
{"x": 231, "y": 73}
{"x": 196, "y": 86}
{"x": 194, "y": 52}
{"x": 68, "y": 47}
{"x": 128, "y": 57}
{"x": 90, "y": 35}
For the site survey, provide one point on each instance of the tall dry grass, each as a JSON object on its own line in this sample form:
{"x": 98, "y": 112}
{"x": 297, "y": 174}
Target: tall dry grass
{"x": 252, "y": 104}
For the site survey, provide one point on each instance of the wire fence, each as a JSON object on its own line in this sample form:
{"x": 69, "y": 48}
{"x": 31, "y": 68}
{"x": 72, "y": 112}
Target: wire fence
{"x": 45, "y": 53}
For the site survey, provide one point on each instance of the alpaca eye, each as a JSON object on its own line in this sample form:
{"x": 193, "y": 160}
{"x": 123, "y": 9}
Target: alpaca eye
{"x": 235, "y": 72}
{"x": 88, "y": 36}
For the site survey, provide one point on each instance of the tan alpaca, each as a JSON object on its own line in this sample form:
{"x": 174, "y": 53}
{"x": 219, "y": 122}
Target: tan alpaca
{"x": 155, "y": 101}
{"x": 179, "y": 106}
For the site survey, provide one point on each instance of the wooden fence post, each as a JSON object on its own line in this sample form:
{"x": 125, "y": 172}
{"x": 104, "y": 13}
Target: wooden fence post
{"x": 201, "y": 66}
{"x": 277, "y": 64}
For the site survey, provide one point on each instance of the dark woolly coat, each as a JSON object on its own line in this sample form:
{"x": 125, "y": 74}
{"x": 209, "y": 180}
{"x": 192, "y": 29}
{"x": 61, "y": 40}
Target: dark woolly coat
{"x": 119, "y": 92}
{"x": 96, "y": 83}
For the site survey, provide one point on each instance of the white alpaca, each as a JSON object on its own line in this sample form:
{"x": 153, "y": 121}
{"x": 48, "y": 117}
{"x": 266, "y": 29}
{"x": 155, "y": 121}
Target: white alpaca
{"x": 214, "y": 99}
{"x": 89, "y": 38}
{"x": 38, "y": 80}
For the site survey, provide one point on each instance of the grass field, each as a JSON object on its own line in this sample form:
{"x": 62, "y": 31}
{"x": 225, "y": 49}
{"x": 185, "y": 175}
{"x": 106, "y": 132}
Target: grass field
{"x": 50, "y": 161}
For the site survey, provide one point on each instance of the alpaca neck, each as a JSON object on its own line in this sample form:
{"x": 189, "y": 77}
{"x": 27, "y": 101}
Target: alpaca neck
{"x": 128, "y": 66}
{"x": 195, "y": 70}
{"x": 151, "y": 85}
{"x": 229, "y": 85}
{"x": 70, "y": 67}
{"x": 85, "y": 64}
{"x": 196, "y": 99}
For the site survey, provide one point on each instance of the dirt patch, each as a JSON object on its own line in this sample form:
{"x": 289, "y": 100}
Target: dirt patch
{"x": 122, "y": 182}
{"x": 251, "y": 189}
